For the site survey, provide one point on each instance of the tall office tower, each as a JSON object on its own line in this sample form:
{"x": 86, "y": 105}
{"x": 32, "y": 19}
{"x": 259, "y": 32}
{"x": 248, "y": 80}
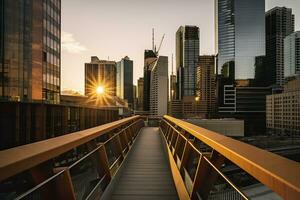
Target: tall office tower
{"x": 187, "y": 53}
{"x": 206, "y": 82}
{"x": 173, "y": 90}
{"x": 292, "y": 55}
{"x": 100, "y": 73}
{"x": 159, "y": 86}
{"x": 140, "y": 94}
{"x": 279, "y": 24}
{"x": 125, "y": 80}
{"x": 149, "y": 58}
{"x": 261, "y": 73}
{"x": 134, "y": 97}
{"x": 30, "y": 36}
{"x": 240, "y": 34}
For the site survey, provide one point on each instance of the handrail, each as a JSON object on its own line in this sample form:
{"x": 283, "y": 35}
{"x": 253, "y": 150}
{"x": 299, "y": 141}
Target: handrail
{"x": 18, "y": 159}
{"x": 278, "y": 173}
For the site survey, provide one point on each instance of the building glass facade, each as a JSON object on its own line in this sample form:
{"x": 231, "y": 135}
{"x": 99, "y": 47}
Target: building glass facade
{"x": 51, "y": 50}
{"x": 240, "y": 34}
{"x": 100, "y": 73}
{"x": 125, "y": 80}
{"x": 30, "y": 50}
{"x": 187, "y": 53}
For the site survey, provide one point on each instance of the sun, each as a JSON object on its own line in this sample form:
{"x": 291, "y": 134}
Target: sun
{"x": 100, "y": 90}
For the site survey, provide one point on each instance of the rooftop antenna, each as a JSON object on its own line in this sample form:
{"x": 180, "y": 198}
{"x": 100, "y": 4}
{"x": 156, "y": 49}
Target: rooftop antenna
{"x": 153, "y": 39}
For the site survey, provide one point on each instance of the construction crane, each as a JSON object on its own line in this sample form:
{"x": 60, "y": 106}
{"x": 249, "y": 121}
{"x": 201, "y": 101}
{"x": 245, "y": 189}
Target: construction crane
{"x": 153, "y": 45}
{"x": 161, "y": 41}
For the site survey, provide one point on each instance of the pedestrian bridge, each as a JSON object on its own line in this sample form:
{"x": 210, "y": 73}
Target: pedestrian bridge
{"x": 128, "y": 159}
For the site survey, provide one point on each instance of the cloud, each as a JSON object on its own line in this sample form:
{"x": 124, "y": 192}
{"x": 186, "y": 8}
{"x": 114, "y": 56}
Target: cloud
{"x": 70, "y": 44}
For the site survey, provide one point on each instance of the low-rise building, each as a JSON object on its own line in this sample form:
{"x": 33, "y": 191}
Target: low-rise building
{"x": 226, "y": 126}
{"x": 283, "y": 110}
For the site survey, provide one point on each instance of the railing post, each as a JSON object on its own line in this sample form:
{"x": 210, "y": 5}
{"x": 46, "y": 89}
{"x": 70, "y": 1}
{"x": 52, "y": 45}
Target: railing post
{"x": 103, "y": 160}
{"x": 64, "y": 185}
{"x": 126, "y": 142}
{"x": 119, "y": 146}
{"x": 39, "y": 174}
{"x": 205, "y": 175}
{"x": 185, "y": 154}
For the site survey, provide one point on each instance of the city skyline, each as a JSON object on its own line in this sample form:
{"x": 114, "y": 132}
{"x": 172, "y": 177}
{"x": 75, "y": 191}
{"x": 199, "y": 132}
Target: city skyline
{"x": 77, "y": 47}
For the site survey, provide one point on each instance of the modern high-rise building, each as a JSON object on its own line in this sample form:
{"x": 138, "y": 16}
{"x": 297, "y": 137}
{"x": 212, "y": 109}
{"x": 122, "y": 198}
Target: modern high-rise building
{"x": 149, "y": 58}
{"x": 140, "y": 94}
{"x": 187, "y": 53}
{"x": 292, "y": 55}
{"x": 100, "y": 73}
{"x": 134, "y": 97}
{"x": 30, "y": 51}
{"x": 240, "y": 43}
{"x": 173, "y": 90}
{"x": 206, "y": 83}
{"x": 159, "y": 87}
{"x": 279, "y": 24}
{"x": 240, "y": 34}
{"x": 125, "y": 80}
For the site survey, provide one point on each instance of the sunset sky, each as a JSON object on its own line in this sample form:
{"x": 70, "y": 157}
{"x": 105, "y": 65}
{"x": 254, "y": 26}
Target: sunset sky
{"x": 116, "y": 28}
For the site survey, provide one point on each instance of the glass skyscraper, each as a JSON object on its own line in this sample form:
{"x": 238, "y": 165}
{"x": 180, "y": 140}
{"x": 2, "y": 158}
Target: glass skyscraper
{"x": 125, "y": 80}
{"x": 30, "y": 34}
{"x": 240, "y": 32}
{"x": 187, "y": 54}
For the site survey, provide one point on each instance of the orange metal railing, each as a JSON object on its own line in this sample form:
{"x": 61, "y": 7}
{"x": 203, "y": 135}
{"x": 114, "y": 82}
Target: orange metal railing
{"x": 74, "y": 166}
{"x": 197, "y": 156}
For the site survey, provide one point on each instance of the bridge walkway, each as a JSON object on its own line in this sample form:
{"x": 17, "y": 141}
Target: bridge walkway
{"x": 146, "y": 174}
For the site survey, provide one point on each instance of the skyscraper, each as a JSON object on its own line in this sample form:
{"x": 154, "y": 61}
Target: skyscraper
{"x": 240, "y": 44}
{"x": 187, "y": 53}
{"x": 125, "y": 80}
{"x": 173, "y": 87}
{"x": 159, "y": 86}
{"x": 240, "y": 34}
{"x": 206, "y": 83}
{"x": 149, "y": 58}
{"x": 140, "y": 94}
{"x": 30, "y": 36}
{"x": 292, "y": 54}
{"x": 279, "y": 24}
{"x": 100, "y": 73}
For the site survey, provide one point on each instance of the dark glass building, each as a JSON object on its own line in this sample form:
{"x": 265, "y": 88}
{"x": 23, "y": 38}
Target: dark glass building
{"x": 100, "y": 73}
{"x": 279, "y": 24}
{"x": 125, "y": 80}
{"x": 187, "y": 53}
{"x": 30, "y": 36}
{"x": 149, "y": 58}
{"x": 206, "y": 84}
{"x": 240, "y": 32}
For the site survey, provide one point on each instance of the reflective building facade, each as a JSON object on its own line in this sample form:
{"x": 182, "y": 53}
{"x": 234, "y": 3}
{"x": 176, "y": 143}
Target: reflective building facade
{"x": 100, "y": 73}
{"x": 187, "y": 53}
{"x": 240, "y": 32}
{"x": 30, "y": 34}
{"x": 125, "y": 80}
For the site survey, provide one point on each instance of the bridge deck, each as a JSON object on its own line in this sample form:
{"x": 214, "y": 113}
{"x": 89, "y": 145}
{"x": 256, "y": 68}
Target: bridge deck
{"x": 147, "y": 174}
